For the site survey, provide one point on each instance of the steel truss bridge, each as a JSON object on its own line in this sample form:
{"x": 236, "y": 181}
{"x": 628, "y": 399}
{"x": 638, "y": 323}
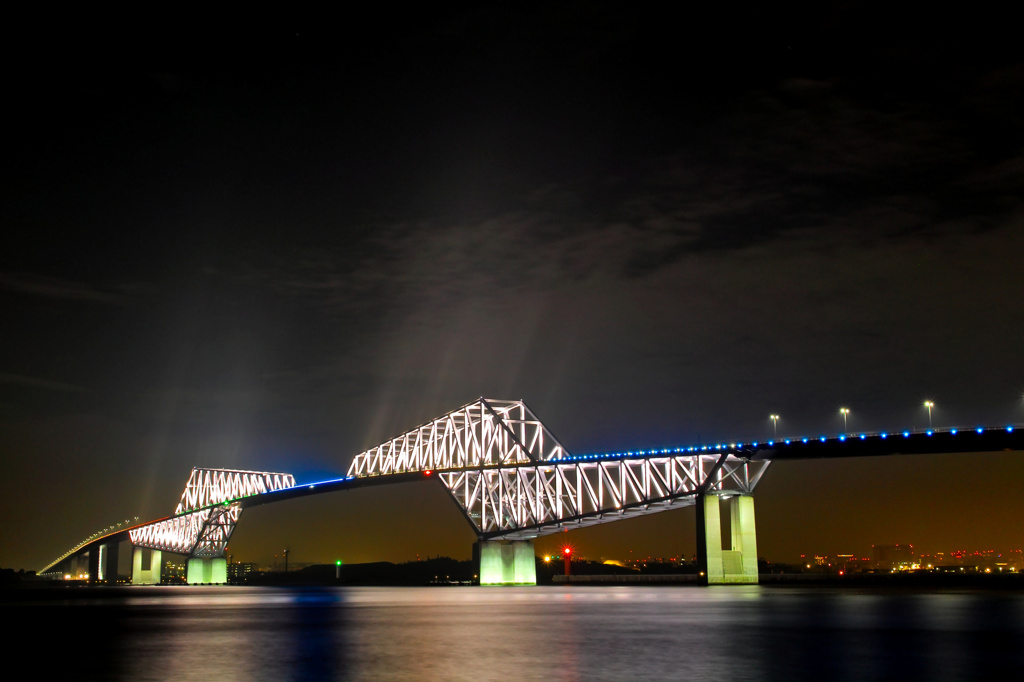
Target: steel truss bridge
{"x": 514, "y": 482}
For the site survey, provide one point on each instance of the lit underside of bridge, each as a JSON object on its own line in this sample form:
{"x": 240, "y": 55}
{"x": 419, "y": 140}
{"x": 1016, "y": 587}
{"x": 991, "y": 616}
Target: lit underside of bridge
{"x": 514, "y": 482}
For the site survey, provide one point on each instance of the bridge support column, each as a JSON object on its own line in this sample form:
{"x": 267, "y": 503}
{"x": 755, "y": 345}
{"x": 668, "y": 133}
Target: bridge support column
{"x": 150, "y": 576}
{"x": 206, "y": 571}
{"x": 512, "y": 563}
{"x": 108, "y": 563}
{"x": 94, "y": 564}
{"x": 735, "y": 565}
{"x": 76, "y": 566}
{"x": 744, "y": 535}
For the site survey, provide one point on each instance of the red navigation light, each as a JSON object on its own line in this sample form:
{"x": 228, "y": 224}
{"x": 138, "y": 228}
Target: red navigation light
{"x": 567, "y": 558}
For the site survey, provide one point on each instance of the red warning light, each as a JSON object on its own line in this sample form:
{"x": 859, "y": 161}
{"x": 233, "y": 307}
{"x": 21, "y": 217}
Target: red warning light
{"x": 427, "y": 472}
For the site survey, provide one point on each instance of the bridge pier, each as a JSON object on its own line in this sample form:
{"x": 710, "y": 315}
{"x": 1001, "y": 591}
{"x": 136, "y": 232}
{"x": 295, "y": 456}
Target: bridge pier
{"x": 94, "y": 564}
{"x": 76, "y": 566}
{"x": 739, "y": 563}
{"x": 512, "y": 563}
{"x": 206, "y": 571}
{"x": 150, "y": 576}
{"x": 108, "y": 563}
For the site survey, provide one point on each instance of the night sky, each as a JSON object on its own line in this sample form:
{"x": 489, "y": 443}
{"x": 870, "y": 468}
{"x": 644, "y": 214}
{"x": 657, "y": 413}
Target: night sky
{"x": 272, "y": 248}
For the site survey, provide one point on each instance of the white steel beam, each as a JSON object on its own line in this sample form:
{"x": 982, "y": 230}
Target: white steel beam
{"x": 213, "y": 486}
{"x": 482, "y": 433}
{"x": 532, "y": 499}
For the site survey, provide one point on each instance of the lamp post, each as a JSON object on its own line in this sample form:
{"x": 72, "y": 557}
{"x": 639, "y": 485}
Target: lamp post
{"x": 929, "y": 404}
{"x": 845, "y": 411}
{"x": 775, "y": 424}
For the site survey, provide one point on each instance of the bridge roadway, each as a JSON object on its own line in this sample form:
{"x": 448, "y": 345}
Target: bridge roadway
{"x": 536, "y": 497}
{"x": 877, "y": 444}
{"x": 917, "y": 442}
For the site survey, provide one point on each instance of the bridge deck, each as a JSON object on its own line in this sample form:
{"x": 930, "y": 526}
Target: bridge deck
{"x": 919, "y": 442}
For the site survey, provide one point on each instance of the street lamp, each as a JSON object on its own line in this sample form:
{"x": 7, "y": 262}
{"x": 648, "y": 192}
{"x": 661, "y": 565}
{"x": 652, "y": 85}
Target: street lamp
{"x": 845, "y": 411}
{"x": 929, "y": 404}
{"x": 775, "y": 423}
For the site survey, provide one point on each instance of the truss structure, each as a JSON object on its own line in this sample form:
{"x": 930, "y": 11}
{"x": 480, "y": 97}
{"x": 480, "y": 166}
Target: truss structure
{"x": 504, "y": 468}
{"x": 201, "y": 533}
{"x": 208, "y": 511}
{"x": 482, "y": 433}
{"x": 213, "y": 486}
{"x": 514, "y": 480}
{"x": 530, "y": 500}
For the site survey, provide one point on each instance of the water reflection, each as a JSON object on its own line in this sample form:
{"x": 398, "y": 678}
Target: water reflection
{"x": 554, "y": 633}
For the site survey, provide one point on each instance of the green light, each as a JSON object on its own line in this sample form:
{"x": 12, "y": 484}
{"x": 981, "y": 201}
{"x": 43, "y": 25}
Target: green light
{"x": 338, "y": 562}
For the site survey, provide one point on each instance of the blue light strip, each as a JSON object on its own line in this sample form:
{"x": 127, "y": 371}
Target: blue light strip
{"x": 739, "y": 447}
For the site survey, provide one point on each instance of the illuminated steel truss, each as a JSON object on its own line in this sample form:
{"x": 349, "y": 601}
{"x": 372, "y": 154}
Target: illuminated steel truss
{"x": 530, "y": 500}
{"x": 514, "y": 480}
{"x": 213, "y": 486}
{"x": 208, "y": 511}
{"x": 482, "y": 433}
{"x": 201, "y": 533}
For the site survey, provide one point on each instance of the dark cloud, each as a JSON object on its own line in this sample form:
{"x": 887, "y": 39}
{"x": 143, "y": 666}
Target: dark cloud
{"x": 42, "y": 384}
{"x": 52, "y": 287}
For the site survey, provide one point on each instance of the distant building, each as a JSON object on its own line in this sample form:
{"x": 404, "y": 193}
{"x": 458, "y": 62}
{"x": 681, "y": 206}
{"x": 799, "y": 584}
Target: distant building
{"x": 894, "y": 557}
{"x": 238, "y": 572}
{"x": 174, "y": 571}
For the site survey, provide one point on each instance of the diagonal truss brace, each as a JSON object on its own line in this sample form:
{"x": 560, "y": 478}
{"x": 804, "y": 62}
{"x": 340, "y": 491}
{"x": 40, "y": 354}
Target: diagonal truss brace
{"x": 213, "y": 486}
{"x": 533, "y": 499}
{"x": 216, "y": 531}
{"x": 200, "y": 533}
{"x": 208, "y": 511}
{"x": 482, "y": 433}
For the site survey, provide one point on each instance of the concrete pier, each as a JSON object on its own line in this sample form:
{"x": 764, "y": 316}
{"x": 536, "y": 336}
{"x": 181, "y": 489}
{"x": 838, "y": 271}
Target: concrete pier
{"x": 151, "y": 575}
{"x": 739, "y": 563}
{"x": 511, "y": 563}
{"x": 207, "y": 571}
{"x": 108, "y": 555}
{"x": 93, "y": 557}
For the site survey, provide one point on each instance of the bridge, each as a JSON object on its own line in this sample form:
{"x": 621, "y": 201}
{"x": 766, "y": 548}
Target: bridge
{"x": 514, "y": 482}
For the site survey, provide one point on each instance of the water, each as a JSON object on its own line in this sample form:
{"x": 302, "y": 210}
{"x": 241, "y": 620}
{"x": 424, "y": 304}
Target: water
{"x": 550, "y": 633}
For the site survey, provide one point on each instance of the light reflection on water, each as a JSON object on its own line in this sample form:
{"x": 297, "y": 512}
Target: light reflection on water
{"x": 554, "y": 633}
